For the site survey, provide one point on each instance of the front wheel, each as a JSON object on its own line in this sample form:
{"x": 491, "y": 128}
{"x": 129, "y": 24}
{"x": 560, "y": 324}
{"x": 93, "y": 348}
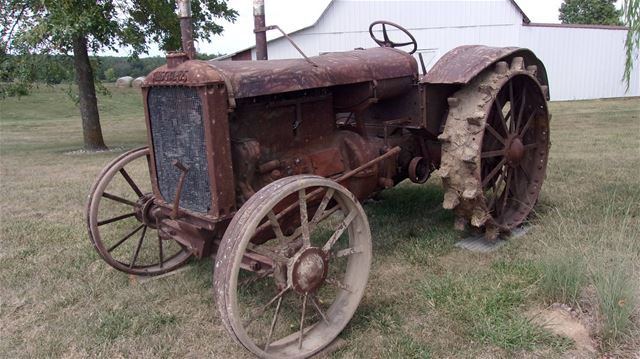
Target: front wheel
{"x": 119, "y": 221}
{"x": 313, "y": 243}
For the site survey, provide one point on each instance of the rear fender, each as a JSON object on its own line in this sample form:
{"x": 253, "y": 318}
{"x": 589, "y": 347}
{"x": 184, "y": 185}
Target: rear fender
{"x": 458, "y": 67}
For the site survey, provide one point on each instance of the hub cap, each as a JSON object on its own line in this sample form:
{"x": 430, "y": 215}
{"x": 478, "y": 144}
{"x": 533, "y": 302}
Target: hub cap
{"x": 309, "y": 270}
{"x": 515, "y": 151}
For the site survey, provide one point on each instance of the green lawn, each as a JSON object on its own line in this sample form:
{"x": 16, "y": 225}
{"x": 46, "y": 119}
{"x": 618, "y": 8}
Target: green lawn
{"x": 425, "y": 298}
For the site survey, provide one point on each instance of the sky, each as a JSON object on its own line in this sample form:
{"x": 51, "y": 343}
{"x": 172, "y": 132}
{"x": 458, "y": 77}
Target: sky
{"x": 293, "y": 15}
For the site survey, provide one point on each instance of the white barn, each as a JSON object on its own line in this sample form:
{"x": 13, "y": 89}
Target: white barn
{"x": 583, "y": 62}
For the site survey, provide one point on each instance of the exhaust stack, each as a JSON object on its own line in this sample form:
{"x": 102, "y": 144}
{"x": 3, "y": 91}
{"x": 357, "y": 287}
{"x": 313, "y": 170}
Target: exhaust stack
{"x": 260, "y": 30}
{"x": 186, "y": 28}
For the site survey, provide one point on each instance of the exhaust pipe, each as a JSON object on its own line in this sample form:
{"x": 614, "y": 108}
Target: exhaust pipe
{"x": 186, "y": 28}
{"x": 260, "y": 29}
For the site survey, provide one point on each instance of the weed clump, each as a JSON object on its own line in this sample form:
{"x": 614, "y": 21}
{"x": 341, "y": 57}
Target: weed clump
{"x": 562, "y": 279}
{"x": 616, "y": 302}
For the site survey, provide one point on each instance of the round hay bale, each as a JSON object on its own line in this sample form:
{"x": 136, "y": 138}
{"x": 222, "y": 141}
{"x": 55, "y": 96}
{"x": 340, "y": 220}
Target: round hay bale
{"x": 124, "y": 81}
{"x": 138, "y": 81}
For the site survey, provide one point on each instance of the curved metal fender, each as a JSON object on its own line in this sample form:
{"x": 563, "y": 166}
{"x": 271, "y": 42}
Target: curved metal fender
{"x": 462, "y": 64}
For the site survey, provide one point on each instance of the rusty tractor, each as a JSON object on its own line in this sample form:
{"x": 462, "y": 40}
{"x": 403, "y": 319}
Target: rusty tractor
{"x": 264, "y": 164}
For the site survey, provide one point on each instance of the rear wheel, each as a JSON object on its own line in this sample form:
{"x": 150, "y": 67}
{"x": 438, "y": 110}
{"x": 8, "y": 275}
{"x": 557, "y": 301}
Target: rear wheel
{"x": 495, "y": 148}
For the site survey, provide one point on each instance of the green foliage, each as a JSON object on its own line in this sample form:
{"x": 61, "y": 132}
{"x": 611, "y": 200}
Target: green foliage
{"x": 12, "y": 89}
{"x": 631, "y": 12}
{"x": 37, "y": 35}
{"x": 110, "y": 75}
{"x": 590, "y": 12}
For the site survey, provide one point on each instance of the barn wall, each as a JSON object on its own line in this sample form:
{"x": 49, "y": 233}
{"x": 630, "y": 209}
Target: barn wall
{"x": 438, "y": 26}
{"x": 582, "y": 63}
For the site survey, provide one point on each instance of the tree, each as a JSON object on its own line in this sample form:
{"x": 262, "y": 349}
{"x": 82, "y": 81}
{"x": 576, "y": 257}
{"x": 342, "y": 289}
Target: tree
{"x": 79, "y": 27}
{"x": 631, "y": 11}
{"x": 590, "y": 12}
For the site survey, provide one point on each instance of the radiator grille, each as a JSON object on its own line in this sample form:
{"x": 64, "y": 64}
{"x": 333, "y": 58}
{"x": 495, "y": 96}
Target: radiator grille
{"x": 177, "y": 133}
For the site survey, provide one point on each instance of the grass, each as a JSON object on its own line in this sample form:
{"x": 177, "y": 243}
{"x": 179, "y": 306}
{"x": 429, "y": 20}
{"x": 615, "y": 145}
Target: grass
{"x": 562, "y": 279}
{"x": 425, "y": 298}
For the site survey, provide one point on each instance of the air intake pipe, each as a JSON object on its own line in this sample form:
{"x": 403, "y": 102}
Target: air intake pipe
{"x": 186, "y": 28}
{"x": 260, "y": 29}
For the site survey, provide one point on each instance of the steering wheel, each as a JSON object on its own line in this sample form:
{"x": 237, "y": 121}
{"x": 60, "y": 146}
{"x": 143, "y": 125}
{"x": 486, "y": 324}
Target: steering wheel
{"x": 388, "y": 43}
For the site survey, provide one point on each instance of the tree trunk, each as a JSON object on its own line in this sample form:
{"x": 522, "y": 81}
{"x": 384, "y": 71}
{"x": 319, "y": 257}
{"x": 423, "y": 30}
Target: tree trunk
{"x": 91, "y": 130}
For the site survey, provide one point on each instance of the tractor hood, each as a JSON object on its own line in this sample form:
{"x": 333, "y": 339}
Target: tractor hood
{"x": 257, "y": 78}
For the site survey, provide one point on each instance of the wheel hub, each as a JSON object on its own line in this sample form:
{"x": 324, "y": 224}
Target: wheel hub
{"x": 515, "y": 151}
{"x": 144, "y": 210}
{"x": 309, "y": 270}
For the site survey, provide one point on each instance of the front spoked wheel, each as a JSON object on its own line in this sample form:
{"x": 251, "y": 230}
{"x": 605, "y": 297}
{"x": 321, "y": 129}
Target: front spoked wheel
{"x": 120, "y": 219}
{"x": 307, "y": 243}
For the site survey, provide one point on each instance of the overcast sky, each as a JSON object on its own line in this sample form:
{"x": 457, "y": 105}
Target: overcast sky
{"x": 292, "y": 15}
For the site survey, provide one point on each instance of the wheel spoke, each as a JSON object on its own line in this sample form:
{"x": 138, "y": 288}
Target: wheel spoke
{"x": 115, "y": 219}
{"x": 131, "y": 183}
{"x": 135, "y": 254}
{"x": 531, "y": 146}
{"x": 522, "y": 102}
{"x": 323, "y": 205}
{"x": 527, "y": 125}
{"x": 493, "y": 172}
{"x": 314, "y": 301}
{"x": 118, "y": 199}
{"x": 275, "y": 225}
{"x": 273, "y": 324}
{"x": 524, "y": 172}
{"x": 267, "y": 253}
{"x": 505, "y": 193}
{"x": 503, "y": 122}
{"x": 304, "y": 309}
{"x": 256, "y": 277}
{"x": 304, "y": 218}
{"x": 490, "y": 154}
{"x": 125, "y": 238}
{"x": 160, "y": 254}
{"x": 511, "y": 105}
{"x": 495, "y": 134}
{"x": 338, "y": 232}
{"x": 494, "y": 183}
{"x": 507, "y": 118}
{"x": 494, "y": 196}
{"x": 261, "y": 310}
{"x": 515, "y": 183}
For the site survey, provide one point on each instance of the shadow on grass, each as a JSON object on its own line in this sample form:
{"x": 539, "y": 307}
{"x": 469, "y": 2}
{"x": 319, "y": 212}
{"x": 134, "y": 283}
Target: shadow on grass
{"x": 409, "y": 221}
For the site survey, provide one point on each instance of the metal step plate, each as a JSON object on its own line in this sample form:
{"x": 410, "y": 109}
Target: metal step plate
{"x": 480, "y": 244}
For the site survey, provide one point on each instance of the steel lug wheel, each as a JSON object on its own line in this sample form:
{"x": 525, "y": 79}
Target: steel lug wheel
{"x": 495, "y": 147}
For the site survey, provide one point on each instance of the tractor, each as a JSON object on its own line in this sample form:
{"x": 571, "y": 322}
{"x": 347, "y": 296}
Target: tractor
{"x": 264, "y": 166}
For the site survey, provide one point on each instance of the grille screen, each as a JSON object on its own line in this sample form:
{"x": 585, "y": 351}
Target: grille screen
{"x": 177, "y": 133}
